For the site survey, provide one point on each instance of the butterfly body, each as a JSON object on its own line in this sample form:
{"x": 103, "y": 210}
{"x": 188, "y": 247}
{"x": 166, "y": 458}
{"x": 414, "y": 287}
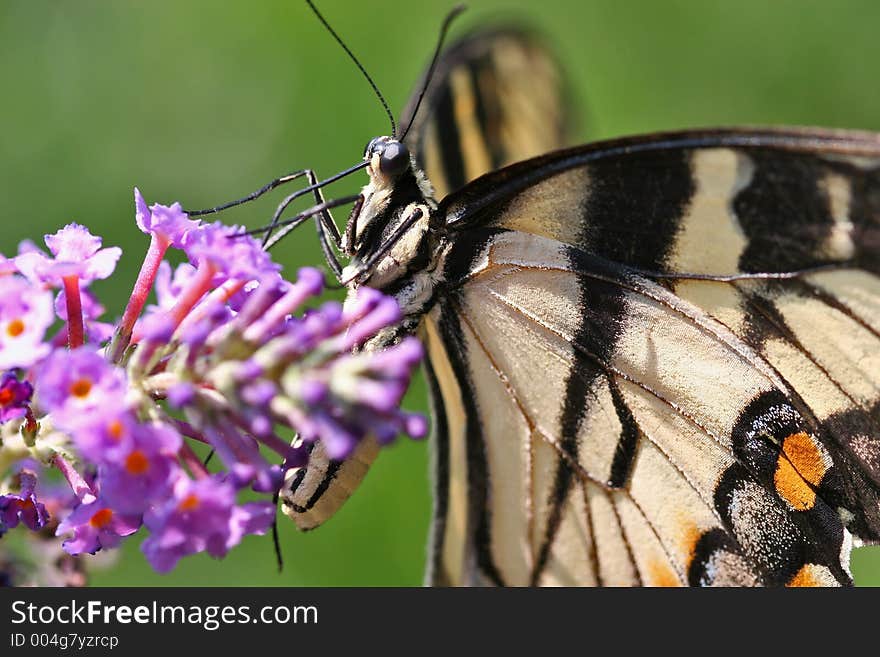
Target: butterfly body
{"x": 653, "y": 360}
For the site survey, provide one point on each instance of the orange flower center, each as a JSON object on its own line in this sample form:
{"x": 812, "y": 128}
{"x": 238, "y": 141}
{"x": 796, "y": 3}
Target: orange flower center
{"x": 189, "y": 503}
{"x": 81, "y": 388}
{"x": 137, "y": 463}
{"x": 15, "y": 328}
{"x": 101, "y": 519}
{"x": 116, "y": 429}
{"x": 6, "y": 396}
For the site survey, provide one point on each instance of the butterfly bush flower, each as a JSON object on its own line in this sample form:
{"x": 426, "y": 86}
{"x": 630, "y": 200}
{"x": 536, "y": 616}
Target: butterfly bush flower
{"x": 77, "y": 260}
{"x": 79, "y": 387}
{"x": 25, "y": 315}
{"x": 94, "y": 526}
{"x": 7, "y": 265}
{"x": 232, "y": 356}
{"x": 201, "y": 516}
{"x": 22, "y": 507}
{"x": 75, "y": 253}
{"x": 15, "y": 396}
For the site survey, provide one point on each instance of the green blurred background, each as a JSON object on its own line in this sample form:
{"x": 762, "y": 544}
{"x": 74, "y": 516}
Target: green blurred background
{"x": 203, "y": 101}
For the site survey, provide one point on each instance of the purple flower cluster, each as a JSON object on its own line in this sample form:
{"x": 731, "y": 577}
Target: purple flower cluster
{"x": 230, "y": 346}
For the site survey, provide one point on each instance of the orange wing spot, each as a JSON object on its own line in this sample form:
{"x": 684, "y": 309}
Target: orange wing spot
{"x": 804, "y": 454}
{"x": 812, "y": 574}
{"x": 799, "y": 466}
{"x": 660, "y": 574}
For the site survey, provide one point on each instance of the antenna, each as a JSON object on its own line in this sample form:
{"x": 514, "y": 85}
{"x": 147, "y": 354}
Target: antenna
{"x": 357, "y": 63}
{"x": 452, "y": 15}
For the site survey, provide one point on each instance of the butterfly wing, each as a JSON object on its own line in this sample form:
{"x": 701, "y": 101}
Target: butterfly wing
{"x": 656, "y": 362}
{"x": 496, "y": 97}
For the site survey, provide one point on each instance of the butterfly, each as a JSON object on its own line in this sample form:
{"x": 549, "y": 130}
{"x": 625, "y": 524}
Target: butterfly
{"x": 652, "y": 361}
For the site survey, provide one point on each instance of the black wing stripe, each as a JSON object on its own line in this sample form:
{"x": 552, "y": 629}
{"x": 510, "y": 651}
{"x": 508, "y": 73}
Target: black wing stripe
{"x": 478, "y": 484}
{"x": 865, "y": 214}
{"x": 625, "y": 452}
{"x": 450, "y": 140}
{"x": 562, "y": 472}
{"x": 488, "y": 109}
{"x": 785, "y": 186}
{"x": 653, "y": 197}
{"x": 574, "y": 407}
{"x": 440, "y": 443}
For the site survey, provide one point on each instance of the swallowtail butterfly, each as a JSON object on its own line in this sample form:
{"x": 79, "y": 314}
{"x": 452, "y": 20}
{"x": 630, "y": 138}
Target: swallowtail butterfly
{"x": 653, "y": 360}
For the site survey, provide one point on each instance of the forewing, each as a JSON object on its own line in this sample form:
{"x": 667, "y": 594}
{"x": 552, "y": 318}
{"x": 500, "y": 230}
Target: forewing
{"x": 496, "y": 97}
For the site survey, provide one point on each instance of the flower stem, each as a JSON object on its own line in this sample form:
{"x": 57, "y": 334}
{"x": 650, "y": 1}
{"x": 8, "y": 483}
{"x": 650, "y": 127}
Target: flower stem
{"x": 140, "y": 292}
{"x": 75, "y": 328}
{"x": 294, "y": 457}
{"x": 221, "y": 294}
{"x": 79, "y": 486}
{"x": 198, "y": 286}
{"x": 192, "y": 461}
{"x": 188, "y": 430}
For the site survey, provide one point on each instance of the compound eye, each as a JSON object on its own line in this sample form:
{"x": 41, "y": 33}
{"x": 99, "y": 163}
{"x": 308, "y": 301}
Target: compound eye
{"x": 394, "y": 159}
{"x": 371, "y": 146}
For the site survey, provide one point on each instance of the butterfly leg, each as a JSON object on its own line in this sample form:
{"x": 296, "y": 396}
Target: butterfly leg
{"x": 324, "y": 215}
{"x": 268, "y": 187}
{"x": 329, "y": 255}
{"x": 327, "y": 229}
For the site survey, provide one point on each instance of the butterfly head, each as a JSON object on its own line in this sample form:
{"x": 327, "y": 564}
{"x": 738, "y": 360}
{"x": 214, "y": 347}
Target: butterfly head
{"x": 387, "y": 157}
